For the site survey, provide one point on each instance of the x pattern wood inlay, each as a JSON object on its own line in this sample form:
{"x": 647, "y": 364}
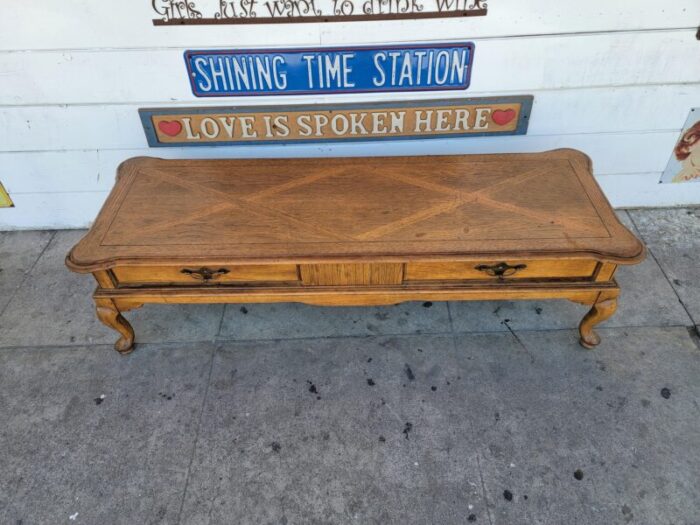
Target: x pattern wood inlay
{"x": 417, "y": 198}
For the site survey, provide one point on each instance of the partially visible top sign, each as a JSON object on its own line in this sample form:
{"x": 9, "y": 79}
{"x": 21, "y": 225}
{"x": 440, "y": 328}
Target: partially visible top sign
{"x": 201, "y": 12}
{"x": 330, "y": 70}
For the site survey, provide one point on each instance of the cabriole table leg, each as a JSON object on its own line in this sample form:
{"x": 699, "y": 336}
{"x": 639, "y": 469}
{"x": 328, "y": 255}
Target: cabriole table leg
{"x": 600, "y": 311}
{"x": 109, "y": 314}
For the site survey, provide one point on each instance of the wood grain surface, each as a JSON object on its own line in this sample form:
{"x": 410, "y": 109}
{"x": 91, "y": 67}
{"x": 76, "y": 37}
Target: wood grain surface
{"x": 391, "y": 209}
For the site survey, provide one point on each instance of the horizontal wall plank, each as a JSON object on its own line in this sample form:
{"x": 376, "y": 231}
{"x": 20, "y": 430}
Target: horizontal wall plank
{"x": 512, "y": 18}
{"x": 642, "y": 190}
{"x": 576, "y": 111}
{"x": 532, "y": 63}
{"x": 80, "y": 24}
{"x": 611, "y": 153}
{"x": 39, "y": 211}
{"x": 34, "y": 172}
{"x": 52, "y": 171}
{"x": 79, "y": 209}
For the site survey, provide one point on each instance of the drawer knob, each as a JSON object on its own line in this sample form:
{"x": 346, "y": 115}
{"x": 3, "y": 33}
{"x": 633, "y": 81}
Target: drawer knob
{"x": 205, "y": 274}
{"x": 500, "y": 270}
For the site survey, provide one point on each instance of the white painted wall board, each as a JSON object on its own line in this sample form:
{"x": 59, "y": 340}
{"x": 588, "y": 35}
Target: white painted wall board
{"x": 517, "y": 18}
{"x": 76, "y": 171}
{"x": 525, "y": 64}
{"x": 38, "y": 211}
{"x": 52, "y": 171}
{"x": 614, "y": 79}
{"x": 642, "y": 190}
{"x": 41, "y": 128}
{"x": 611, "y": 153}
{"x": 79, "y": 24}
{"x": 575, "y": 111}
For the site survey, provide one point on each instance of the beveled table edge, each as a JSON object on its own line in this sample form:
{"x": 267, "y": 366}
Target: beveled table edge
{"x": 106, "y": 264}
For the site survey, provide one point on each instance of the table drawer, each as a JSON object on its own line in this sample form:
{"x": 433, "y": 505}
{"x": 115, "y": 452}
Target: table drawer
{"x": 197, "y": 275}
{"x": 503, "y": 269}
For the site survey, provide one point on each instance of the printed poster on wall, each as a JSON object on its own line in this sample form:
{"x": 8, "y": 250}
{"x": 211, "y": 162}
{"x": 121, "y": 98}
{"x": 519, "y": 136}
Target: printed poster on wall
{"x": 684, "y": 164}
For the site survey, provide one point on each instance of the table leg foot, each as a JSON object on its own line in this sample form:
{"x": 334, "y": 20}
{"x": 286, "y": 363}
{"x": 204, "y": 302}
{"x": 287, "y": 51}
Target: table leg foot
{"x": 597, "y": 314}
{"x": 109, "y": 314}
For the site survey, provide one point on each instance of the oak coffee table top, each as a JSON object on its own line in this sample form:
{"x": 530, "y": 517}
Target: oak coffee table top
{"x": 434, "y": 208}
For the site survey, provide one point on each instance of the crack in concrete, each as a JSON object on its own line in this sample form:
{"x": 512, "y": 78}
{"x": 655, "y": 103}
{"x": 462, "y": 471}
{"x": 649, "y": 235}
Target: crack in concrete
{"x": 694, "y": 334}
{"x": 196, "y": 436}
{"x": 663, "y": 272}
{"x": 27, "y": 273}
{"x": 221, "y": 323}
{"x": 522, "y": 345}
{"x": 483, "y": 490}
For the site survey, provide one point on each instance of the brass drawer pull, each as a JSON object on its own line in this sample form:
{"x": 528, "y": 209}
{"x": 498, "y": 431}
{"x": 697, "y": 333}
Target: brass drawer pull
{"x": 205, "y": 274}
{"x": 500, "y": 270}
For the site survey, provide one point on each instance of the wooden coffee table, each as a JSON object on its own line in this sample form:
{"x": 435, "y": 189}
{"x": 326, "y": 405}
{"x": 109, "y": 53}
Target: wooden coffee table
{"x": 356, "y": 231}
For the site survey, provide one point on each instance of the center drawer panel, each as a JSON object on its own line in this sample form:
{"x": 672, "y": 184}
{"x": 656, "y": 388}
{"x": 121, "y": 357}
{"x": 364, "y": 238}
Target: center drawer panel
{"x": 212, "y": 274}
{"x": 352, "y": 274}
{"x": 503, "y": 269}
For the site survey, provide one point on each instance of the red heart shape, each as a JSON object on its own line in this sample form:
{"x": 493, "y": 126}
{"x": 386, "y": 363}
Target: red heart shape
{"x": 170, "y": 127}
{"x": 503, "y": 117}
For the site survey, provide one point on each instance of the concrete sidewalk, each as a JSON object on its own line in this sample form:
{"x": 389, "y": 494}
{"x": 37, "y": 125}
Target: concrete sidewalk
{"x": 418, "y": 413}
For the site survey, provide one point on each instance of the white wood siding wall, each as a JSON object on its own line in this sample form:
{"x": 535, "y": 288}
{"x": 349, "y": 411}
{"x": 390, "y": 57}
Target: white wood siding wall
{"x": 615, "y": 79}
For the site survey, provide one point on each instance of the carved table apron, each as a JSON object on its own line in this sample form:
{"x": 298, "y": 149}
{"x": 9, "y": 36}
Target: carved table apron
{"x": 356, "y": 231}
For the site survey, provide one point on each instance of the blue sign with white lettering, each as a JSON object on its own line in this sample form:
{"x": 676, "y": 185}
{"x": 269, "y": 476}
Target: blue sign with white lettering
{"x": 428, "y": 67}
